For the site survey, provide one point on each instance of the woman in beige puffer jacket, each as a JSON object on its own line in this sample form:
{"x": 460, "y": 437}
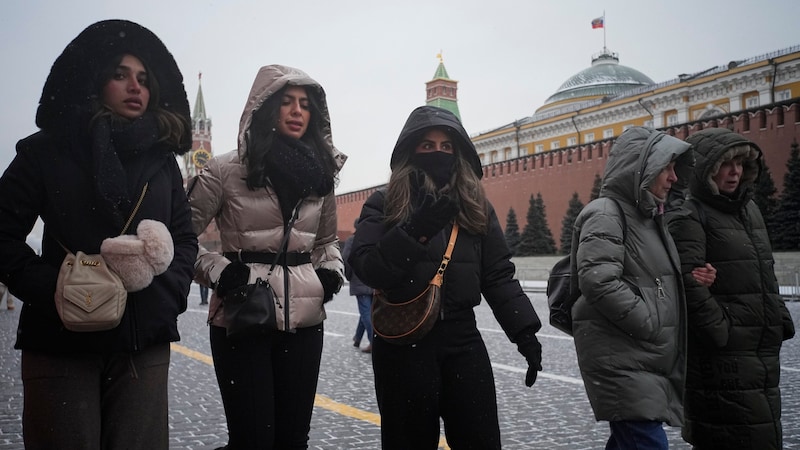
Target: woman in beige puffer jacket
{"x": 285, "y": 167}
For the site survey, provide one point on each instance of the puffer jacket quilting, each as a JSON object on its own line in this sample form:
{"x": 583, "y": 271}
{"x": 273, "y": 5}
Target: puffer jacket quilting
{"x": 629, "y": 323}
{"x": 736, "y": 327}
{"x": 251, "y": 220}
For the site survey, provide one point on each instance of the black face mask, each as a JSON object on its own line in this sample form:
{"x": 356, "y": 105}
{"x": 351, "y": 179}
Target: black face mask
{"x": 437, "y": 165}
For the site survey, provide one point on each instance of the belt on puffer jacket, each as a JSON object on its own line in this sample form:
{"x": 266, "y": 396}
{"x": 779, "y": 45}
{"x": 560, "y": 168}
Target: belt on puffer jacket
{"x": 286, "y": 259}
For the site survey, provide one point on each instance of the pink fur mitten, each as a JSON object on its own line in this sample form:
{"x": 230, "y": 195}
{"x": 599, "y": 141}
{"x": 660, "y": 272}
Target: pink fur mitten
{"x": 137, "y": 259}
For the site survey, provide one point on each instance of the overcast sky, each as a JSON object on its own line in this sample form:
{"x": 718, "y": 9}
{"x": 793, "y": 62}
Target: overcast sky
{"x": 374, "y": 57}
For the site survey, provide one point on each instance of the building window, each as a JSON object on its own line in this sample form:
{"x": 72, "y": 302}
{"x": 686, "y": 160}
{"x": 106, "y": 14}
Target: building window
{"x": 539, "y": 148}
{"x": 672, "y": 120}
{"x": 751, "y": 102}
{"x": 493, "y": 156}
{"x": 482, "y": 156}
{"x": 608, "y": 133}
{"x": 588, "y": 137}
{"x": 507, "y": 153}
{"x": 572, "y": 141}
{"x": 785, "y": 94}
{"x": 554, "y": 145}
{"x": 648, "y": 123}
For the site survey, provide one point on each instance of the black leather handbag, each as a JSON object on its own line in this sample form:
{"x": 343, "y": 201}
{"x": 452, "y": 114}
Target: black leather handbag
{"x": 250, "y": 309}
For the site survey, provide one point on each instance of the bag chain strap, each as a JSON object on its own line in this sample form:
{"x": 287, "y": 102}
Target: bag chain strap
{"x": 135, "y": 209}
{"x": 130, "y": 219}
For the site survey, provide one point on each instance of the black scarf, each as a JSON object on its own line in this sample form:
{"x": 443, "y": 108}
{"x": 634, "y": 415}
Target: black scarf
{"x": 295, "y": 172}
{"x": 115, "y": 143}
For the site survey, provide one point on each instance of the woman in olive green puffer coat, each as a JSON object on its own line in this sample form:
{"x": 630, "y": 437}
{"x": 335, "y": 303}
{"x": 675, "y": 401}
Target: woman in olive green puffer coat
{"x": 737, "y": 325}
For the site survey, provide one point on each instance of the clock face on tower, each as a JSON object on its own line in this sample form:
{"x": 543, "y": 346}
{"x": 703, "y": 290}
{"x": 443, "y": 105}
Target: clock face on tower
{"x": 200, "y": 157}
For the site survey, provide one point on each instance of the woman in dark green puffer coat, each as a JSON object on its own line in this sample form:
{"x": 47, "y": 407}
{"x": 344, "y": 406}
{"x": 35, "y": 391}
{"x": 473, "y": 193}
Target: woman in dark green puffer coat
{"x": 737, "y": 325}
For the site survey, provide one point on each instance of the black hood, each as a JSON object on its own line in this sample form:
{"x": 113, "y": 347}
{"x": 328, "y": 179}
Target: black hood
{"x": 72, "y": 83}
{"x": 426, "y": 117}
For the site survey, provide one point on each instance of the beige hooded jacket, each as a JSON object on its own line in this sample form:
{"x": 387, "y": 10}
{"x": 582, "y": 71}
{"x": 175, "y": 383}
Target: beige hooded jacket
{"x": 251, "y": 220}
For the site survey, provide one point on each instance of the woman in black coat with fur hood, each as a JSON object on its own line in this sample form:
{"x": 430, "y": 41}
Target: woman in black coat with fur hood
{"x": 112, "y": 116}
{"x": 399, "y": 243}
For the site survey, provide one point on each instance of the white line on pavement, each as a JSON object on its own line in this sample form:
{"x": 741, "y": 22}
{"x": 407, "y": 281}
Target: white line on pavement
{"x": 541, "y": 374}
{"x": 551, "y": 336}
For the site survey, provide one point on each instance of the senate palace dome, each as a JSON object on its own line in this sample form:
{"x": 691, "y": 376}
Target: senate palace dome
{"x": 605, "y": 78}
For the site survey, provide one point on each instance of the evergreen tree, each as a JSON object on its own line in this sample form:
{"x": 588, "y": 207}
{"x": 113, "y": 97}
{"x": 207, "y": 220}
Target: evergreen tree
{"x": 767, "y": 201}
{"x": 575, "y": 207}
{"x": 545, "y": 244}
{"x": 526, "y": 240}
{"x": 787, "y": 217}
{"x": 598, "y": 183}
{"x": 512, "y": 231}
{"x": 536, "y": 238}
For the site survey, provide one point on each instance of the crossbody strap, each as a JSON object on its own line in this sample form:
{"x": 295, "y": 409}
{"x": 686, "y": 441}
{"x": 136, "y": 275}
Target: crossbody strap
{"x": 285, "y": 242}
{"x": 135, "y": 209}
{"x": 127, "y": 224}
{"x": 439, "y": 277}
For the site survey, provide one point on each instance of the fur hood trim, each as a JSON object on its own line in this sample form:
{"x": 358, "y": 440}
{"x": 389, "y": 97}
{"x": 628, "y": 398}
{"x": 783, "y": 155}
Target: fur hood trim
{"x": 72, "y": 85}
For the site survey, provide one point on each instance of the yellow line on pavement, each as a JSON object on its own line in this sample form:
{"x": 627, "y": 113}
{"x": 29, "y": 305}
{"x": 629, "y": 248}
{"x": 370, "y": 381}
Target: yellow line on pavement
{"x": 202, "y": 357}
{"x": 320, "y": 400}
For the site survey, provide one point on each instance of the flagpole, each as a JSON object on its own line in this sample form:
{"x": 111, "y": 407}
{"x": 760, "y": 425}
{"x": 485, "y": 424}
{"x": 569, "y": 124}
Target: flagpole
{"x": 604, "y": 32}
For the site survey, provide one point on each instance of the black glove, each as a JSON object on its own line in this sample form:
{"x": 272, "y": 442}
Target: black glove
{"x": 331, "y": 283}
{"x": 531, "y": 349}
{"x": 233, "y": 275}
{"x": 430, "y": 215}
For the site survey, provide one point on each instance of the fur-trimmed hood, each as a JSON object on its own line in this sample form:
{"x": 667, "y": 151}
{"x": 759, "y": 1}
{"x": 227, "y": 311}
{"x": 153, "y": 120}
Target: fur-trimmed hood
{"x": 269, "y": 80}
{"x": 426, "y": 117}
{"x": 714, "y": 146}
{"x": 72, "y": 84}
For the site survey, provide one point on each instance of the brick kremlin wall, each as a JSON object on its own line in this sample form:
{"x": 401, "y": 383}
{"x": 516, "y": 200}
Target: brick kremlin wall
{"x": 559, "y": 173}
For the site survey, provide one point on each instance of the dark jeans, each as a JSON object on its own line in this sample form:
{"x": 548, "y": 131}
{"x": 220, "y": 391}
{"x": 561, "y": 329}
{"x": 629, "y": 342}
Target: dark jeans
{"x": 637, "y": 435}
{"x": 447, "y": 375}
{"x": 94, "y": 402}
{"x": 268, "y": 384}
{"x": 364, "y": 318}
{"x": 203, "y": 294}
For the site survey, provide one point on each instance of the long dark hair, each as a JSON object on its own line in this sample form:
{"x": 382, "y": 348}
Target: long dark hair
{"x": 171, "y": 126}
{"x": 464, "y": 186}
{"x": 262, "y": 133}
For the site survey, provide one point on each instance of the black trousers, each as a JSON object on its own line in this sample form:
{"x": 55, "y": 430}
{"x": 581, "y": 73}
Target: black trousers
{"x": 93, "y": 402}
{"x": 448, "y": 374}
{"x": 268, "y": 384}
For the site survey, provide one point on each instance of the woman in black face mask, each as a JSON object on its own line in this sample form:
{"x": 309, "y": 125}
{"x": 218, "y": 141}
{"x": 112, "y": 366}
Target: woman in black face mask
{"x": 399, "y": 243}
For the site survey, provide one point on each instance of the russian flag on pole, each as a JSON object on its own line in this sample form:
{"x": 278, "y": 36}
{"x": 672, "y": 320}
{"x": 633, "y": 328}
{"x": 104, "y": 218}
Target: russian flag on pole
{"x": 597, "y": 23}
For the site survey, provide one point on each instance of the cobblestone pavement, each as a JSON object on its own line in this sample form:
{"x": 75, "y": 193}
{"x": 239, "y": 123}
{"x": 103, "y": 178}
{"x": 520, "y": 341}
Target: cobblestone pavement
{"x": 554, "y": 414}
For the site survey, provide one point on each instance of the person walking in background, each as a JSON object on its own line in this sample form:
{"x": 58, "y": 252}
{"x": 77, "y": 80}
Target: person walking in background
{"x": 629, "y": 323}
{"x": 363, "y": 295}
{"x": 203, "y": 294}
{"x": 737, "y": 325}
{"x": 113, "y": 115}
{"x": 9, "y": 298}
{"x": 284, "y": 171}
{"x": 398, "y": 246}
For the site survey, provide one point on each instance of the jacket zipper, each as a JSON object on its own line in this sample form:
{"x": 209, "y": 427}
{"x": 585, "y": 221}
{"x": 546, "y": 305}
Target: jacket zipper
{"x": 660, "y": 288}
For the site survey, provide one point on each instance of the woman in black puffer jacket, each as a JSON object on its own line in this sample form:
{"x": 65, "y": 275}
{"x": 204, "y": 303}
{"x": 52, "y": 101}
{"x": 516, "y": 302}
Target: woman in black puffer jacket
{"x": 736, "y": 326}
{"x": 398, "y": 246}
{"x": 113, "y": 115}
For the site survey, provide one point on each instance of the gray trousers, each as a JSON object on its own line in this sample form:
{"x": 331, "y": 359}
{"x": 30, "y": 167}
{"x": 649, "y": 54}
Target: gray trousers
{"x": 94, "y": 402}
